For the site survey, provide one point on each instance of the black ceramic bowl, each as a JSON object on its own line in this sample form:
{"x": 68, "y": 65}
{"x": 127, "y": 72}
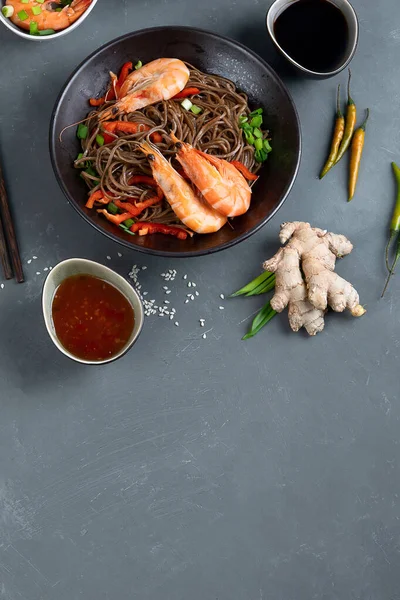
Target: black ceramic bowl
{"x": 213, "y": 54}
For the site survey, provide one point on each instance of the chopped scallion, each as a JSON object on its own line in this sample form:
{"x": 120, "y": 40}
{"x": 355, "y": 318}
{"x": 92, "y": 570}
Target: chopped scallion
{"x": 112, "y": 208}
{"x": 40, "y": 1}
{"x": 138, "y": 65}
{"x": 196, "y": 110}
{"x": 25, "y": 1}
{"x": 267, "y": 146}
{"x": 99, "y": 140}
{"x": 126, "y": 229}
{"x": 258, "y": 144}
{"x": 256, "y": 121}
{"x": 59, "y": 9}
{"x": 249, "y": 138}
{"x": 242, "y": 120}
{"x": 22, "y": 15}
{"x": 186, "y": 104}
{"x": 46, "y": 32}
{"x": 33, "y": 28}
{"x": 7, "y": 11}
{"x": 36, "y": 10}
{"x": 260, "y": 155}
{"x": 128, "y": 223}
{"x": 82, "y": 131}
{"x": 258, "y": 111}
{"x": 257, "y": 132}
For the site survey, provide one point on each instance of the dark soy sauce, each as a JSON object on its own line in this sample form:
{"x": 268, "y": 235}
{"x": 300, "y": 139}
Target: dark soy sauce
{"x": 314, "y": 33}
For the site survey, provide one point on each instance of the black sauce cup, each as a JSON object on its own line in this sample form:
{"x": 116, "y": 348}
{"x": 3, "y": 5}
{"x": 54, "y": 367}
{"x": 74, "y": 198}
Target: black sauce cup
{"x": 350, "y": 16}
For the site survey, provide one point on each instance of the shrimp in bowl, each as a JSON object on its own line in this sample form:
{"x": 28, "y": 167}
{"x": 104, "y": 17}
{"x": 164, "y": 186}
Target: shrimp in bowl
{"x": 49, "y": 16}
{"x": 186, "y": 203}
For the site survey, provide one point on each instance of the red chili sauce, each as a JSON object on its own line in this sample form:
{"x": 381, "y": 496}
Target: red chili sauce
{"x": 92, "y": 319}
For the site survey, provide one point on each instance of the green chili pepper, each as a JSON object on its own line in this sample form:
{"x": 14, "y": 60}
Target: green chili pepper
{"x": 394, "y": 230}
{"x": 351, "y": 117}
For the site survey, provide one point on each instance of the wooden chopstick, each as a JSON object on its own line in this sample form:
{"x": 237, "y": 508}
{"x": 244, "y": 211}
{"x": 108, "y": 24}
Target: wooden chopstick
{"x": 11, "y": 238}
{"x": 4, "y": 258}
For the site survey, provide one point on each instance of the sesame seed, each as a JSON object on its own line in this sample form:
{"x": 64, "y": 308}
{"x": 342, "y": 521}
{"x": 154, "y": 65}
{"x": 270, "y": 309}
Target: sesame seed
{"x": 165, "y": 287}
{"x": 37, "y": 272}
{"x": 197, "y": 293}
{"x": 201, "y": 324}
{"x": 168, "y": 292}
{"x": 184, "y": 277}
{"x": 171, "y": 317}
{"x": 144, "y": 268}
{"x": 119, "y": 254}
{"x": 2, "y": 286}
{"x": 29, "y": 261}
{"x": 46, "y": 269}
{"x": 204, "y": 336}
{"x": 176, "y": 324}
{"x": 145, "y": 293}
{"x": 191, "y": 297}
{"x": 190, "y": 284}
{"x": 222, "y": 296}
{"x": 50, "y": 268}
{"x": 187, "y": 300}
{"x": 221, "y": 307}
{"x": 34, "y": 257}
{"x": 166, "y": 301}
{"x": 193, "y": 284}
{"x": 108, "y": 257}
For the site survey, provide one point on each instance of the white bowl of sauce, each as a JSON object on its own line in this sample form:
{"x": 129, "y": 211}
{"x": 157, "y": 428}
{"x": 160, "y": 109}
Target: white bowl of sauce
{"x": 92, "y": 314}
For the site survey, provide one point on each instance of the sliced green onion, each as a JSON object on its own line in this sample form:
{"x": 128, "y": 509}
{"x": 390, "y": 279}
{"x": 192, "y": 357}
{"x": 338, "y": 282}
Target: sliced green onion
{"x": 82, "y": 131}
{"x": 40, "y": 1}
{"x": 258, "y": 111}
{"x": 25, "y": 1}
{"x": 59, "y": 9}
{"x": 258, "y": 144}
{"x": 196, "y": 110}
{"x": 112, "y": 208}
{"x": 126, "y": 229}
{"x": 187, "y": 105}
{"x": 257, "y": 132}
{"x": 33, "y": 28}
{"x": 100, "y": 140}
{"x": 36, "y": 10}
{"x": 91, "y": 171}
{"x": 46, "y": 32}
{"x": 22, "y": 15}
{"x": 267, "y": 146}
{"x": 138, "y": 65}
{"x": 256, "y": 121}
{"x": 242, "y": 120}
{"x": 80, "y": 155}
{"x": 128, "y": 223}
{"x": 249, "y": 138}
{"x": 7, "y": 11}
{"x": 260, "y": 155}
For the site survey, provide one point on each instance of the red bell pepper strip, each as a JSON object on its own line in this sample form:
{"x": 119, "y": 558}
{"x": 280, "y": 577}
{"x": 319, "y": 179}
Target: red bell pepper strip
{"x": 189, "y": 91}
{"x": 123, "y": 74}
{"x": 130, "y": 127}
{"x": 244, "y": 170}
{"x": 136, "y": 179}
{"x": 97, "y": 196}
{"x": 145, "y": 228}
{"x": 136, "y": 209}
{"x": 115, "y": 86}
{"x": 116, "y": 219}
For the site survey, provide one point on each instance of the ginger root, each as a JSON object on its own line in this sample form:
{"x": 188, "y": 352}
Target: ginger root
{"x": 305, "y": 278}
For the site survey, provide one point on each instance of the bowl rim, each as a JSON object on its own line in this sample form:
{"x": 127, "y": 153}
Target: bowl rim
{"x": 45, "y": 38}
{"x": 47, "y": 315}
{"x": 166, "y": 253}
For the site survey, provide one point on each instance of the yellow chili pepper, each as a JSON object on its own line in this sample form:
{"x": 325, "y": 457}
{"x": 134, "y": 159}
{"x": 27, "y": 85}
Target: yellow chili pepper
{"x": 357, "y": 146}
{"x": 351, "y": 117}
{"x": 336, "y": 138}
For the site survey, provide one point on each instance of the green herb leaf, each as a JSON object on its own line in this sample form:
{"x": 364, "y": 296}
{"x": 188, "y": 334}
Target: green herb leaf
{"x": 260, "y": 320}
{"x": 254, "y": 284}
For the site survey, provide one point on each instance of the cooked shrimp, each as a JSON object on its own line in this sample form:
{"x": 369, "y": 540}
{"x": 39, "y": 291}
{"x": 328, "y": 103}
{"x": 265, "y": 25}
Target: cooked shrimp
{"x": 221, "y": 184}
{"x": 49, "y": 17}
{"x": 188, "y": 206}
{"x": 159, "y": 80}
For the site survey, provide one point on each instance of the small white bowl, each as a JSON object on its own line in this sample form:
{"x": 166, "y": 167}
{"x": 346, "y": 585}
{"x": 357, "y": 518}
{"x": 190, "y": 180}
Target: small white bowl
{"x": 42, "y": 38}
{"x": 81, "y": 266}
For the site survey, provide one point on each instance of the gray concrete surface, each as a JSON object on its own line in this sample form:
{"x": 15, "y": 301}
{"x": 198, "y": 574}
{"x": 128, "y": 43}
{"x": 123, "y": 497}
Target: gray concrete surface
{"x": 203, "y": 469}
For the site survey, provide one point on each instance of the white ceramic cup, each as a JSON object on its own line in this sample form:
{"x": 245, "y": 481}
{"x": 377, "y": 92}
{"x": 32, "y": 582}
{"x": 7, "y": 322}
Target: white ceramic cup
{"x": 81, "y": 266}
{"x": 43, "y": 38}
{"x": 352, "y": 23}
